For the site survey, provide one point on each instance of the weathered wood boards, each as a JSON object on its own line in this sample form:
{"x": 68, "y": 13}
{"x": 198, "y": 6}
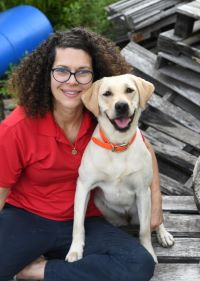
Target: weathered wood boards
{"x": 144, "y": 62}
{"x": 170, "y": 43}
{"x": 139, "y": 19}
{"x": 179, "y": 272}
{"x": 186, "y": 16}
{"x": 181, "y": 262}
{"x": 179, "y": 204}
{"x": 172, "y": 129}
{"x": 179, "y": 49}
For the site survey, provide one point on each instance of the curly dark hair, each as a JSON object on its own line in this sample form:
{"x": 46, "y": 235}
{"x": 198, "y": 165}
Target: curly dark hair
{"x": 30, "y": 81}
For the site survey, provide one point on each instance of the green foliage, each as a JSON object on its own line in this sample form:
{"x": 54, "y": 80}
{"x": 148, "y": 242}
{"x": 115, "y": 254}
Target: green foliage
{"x": 3, "y": 83}
{"x": 65, "y": 14}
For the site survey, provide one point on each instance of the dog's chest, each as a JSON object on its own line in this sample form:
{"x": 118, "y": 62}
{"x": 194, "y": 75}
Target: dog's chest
{"x": 118, "y": 191}
{"x": 122, "y": 176}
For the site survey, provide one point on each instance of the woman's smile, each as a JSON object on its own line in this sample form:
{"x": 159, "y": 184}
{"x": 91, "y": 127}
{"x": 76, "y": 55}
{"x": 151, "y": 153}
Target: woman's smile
{"x": 71, "y": 93}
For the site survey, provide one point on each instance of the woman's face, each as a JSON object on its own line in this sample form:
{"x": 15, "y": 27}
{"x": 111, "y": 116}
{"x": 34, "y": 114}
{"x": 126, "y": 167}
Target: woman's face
{"x": 68, "y": 94}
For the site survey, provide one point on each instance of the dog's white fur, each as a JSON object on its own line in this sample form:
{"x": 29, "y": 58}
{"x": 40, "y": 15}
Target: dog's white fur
{"x": 123, "y": 178}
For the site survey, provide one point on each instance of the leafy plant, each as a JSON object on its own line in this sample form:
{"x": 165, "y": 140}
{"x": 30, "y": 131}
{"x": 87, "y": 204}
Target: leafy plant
{"x": 3, "y": 83}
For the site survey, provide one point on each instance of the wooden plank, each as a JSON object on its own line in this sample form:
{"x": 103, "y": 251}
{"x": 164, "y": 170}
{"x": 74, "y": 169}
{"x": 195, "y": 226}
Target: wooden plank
{"x": 182, "y": 226}
{"x": 184, "y": 26}
{"x": 184, "y": 249}
{"x": 139, "y": 19}
{"x": 191, "y": 9}
{"x": 121, "y": 5}
{"x": 186, "y": 105}
{"x": 171, "y": 170}
{"x": 147, "y": 6}
{"x": 176, "y": 272}
{"x": 163, "y": 138}
{"x": 187, "y": 225}
{"x": 181, "y": 74}
{"x": 155, "y": 18}
{"x": 144, "y": 61}
{"x": 180, "y": 159}
{"x": 184, "y": 204}
{"x": 171, "y": 153}
{"x": 146, "y": 33}
{"x": 171, "y": 186}
{"x": 182, "y": 60}
{"x": 178, "y": 114}
{"x": 144, "y": 7}
{"x": 176, "y": 99}
{"x": 167, "y": 125}
{"x": 170, "y": 43}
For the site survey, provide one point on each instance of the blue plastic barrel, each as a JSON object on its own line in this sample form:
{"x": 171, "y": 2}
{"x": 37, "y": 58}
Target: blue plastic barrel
{"x": 22, "y": 29}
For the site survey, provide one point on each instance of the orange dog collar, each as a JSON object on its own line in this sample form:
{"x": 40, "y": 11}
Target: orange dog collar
{"x": 110, "y": 146}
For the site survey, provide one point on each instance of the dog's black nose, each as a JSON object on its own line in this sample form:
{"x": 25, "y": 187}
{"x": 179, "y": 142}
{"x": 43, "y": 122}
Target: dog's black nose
{"x": 121, "y": 107}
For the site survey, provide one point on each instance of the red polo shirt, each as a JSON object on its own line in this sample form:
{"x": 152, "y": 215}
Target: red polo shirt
{"x": 37, "y": 163}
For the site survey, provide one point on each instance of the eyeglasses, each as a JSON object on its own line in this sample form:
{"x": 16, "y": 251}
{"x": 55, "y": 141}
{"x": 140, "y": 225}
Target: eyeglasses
{"x": 62, "y": 74}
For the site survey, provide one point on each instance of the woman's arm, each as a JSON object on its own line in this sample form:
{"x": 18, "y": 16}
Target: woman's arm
{"x": 3, "y": 195}
{"x": 156, "y": 197}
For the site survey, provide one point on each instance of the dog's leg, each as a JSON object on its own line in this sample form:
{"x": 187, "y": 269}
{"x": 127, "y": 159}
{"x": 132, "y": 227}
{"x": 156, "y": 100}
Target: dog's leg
{"x": 143, "y": 200}
{"x": 78, "y": 236}
{"x": 165, "y": 239}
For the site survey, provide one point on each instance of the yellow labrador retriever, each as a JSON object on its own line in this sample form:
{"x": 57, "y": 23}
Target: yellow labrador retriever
{"x": 117, "y": 161}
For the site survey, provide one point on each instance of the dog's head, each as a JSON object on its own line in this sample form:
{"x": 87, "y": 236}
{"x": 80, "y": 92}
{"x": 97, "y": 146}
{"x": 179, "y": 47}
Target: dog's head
{"x": 118, "y": 98}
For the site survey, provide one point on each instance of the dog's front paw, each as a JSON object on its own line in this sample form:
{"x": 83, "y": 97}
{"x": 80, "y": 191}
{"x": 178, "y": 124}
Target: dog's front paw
{"x": 75, "y": 253}
{"x": 73, "y": 256}
{"x": 165, "y": 239}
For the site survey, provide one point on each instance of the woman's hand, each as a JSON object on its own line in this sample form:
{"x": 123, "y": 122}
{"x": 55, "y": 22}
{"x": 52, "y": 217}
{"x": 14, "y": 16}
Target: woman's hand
{"x": 156, "y": 197}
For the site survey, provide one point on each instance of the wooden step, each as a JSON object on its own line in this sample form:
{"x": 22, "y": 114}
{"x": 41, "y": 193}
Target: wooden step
{"x": 179, "y": 204}
{"x": 177, "y": 272}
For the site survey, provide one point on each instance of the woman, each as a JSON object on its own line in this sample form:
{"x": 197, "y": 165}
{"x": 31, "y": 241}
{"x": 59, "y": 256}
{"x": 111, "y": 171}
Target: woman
{"x": 41, "y": 145}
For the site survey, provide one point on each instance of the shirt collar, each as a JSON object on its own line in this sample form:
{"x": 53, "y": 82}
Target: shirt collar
{"x": 48, "y": 127}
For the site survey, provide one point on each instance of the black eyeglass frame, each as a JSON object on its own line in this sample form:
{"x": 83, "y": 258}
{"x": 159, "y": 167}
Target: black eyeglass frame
{"x": 72, "y": 73}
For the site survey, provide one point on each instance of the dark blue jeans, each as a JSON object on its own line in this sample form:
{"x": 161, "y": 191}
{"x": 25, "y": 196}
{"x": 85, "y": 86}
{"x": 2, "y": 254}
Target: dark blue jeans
{"x": 110, "y": 254}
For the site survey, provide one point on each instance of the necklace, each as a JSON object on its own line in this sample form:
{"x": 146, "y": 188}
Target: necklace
{"x": 74, "y": 151}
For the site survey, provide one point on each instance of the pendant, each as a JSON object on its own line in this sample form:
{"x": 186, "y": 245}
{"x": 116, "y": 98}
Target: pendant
{"x": 74, "y": 151}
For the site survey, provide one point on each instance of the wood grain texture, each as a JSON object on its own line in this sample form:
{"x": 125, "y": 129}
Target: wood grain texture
{"x": 177, "y": 272}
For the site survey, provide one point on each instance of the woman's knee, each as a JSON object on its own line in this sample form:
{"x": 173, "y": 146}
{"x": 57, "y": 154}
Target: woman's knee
{"x": 141, "y": 265}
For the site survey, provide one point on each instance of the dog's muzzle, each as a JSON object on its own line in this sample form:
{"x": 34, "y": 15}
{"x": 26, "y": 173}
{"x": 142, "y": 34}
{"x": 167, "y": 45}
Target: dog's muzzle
{"x": 122, "y": 120}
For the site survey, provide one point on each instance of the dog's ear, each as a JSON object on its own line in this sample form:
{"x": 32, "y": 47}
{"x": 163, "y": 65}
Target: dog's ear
{"x": 90, "y": 98}
{"x": 144, "y": 88}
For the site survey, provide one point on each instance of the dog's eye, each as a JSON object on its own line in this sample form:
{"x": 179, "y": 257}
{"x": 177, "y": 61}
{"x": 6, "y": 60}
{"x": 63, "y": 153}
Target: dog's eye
{"x": 107, "y": 94}
{"x": 129, "y": 90}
